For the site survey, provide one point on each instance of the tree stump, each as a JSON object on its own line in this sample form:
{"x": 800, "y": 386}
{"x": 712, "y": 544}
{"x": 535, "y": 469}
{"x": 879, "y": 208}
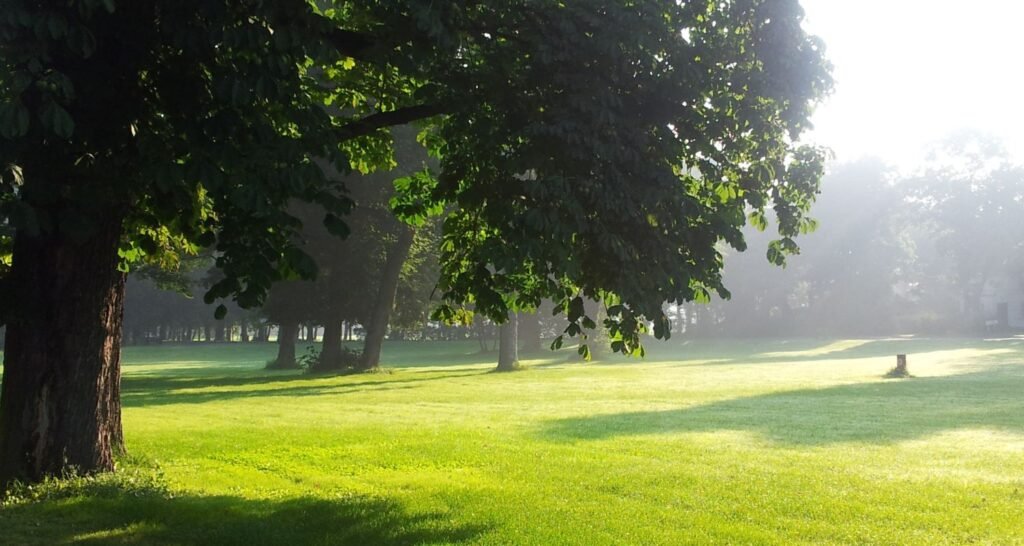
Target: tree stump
{"x": 901, "y": 367}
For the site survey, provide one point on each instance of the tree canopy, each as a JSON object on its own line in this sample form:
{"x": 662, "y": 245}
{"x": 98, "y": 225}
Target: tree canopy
{"x": 596, "y": 149}
{"x": 587, "y": 149}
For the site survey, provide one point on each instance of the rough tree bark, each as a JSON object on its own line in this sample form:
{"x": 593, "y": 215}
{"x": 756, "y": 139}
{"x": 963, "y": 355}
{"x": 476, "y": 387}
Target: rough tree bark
{"x": 508, "y": 344}
{"x": 378, "y": 323}
{"x": 60, "y": 403}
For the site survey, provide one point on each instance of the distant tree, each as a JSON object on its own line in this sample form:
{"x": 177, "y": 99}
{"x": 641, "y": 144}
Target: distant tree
{"x": 384, "y": 300}
{"x": 166, "y": 305}
{"x": 417, "y": 285}
{"x": 851, "y": 268}
{"x": 358, "y": 277}
{"x": 972, "y": 197}
{"x": 290, "y": 304}
{"x": 508, "y": 344}
{"x": 852, "y": 274}
{"x": 895, "y": 253}
{"x": 135, "y": 128}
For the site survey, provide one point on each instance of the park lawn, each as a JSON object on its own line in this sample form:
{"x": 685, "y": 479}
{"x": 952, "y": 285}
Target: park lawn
{"x": 704, "y": 442}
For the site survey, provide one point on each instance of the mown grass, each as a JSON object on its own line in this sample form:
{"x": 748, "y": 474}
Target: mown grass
{"x": 711, "y": 442}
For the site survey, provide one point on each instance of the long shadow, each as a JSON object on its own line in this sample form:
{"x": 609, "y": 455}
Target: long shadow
{"x": 133, "y": 518}
{"x": 880, "y": 413}
{"x": 157, "y": 391}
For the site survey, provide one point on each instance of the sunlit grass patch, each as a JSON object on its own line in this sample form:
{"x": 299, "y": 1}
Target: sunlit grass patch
{"x": 705, "y": 442}
{"x": 821, "y": 350}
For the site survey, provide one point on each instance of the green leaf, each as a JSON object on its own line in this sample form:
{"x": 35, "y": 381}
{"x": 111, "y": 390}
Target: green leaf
{"x": 758, "y": 220}
{"x": 14, "y": 120}
{"x": 584, "y": 351}
{"x": 220, "y": 312}
{"x": 56, "y": 119}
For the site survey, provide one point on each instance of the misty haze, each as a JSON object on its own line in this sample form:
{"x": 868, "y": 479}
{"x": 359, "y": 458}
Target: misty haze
{"x": 525, "y": 272}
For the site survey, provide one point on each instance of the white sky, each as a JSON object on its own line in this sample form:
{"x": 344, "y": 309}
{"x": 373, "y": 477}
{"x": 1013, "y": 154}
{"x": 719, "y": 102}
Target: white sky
{"x": 909, "y": 72}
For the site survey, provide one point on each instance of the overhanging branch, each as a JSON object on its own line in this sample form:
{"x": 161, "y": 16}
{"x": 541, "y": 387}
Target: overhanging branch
{"x": 380, "y": 120}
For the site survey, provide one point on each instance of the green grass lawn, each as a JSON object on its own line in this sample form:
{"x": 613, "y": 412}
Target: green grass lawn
{"x": 710, "y": 442}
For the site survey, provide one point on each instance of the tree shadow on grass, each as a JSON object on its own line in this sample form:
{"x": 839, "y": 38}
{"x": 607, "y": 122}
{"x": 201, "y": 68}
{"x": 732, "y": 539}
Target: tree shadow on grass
{"x": 156, "y": 390}
{"x": 880, "y": 413}
{"x": 131, "y": 518}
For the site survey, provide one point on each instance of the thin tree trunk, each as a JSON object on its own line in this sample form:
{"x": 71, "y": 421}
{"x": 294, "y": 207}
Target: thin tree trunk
{"x": 378, "y": 323}
{"x": 481, "y": 331}
{"x": 508, "y": 345}
{"x": 286, "y": 334}
{"x": 60, "y": 401}
{"x": 243, "y": 331}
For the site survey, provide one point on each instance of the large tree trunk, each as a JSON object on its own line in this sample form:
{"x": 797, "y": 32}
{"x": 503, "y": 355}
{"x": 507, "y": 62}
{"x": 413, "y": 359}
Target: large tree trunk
{"x": 378, "y": 323}
{"x": 287, "y": 331}
{"x": 60, "y": 402}
{"x": 330, "y": 354}
{"x": 508, "y": 344}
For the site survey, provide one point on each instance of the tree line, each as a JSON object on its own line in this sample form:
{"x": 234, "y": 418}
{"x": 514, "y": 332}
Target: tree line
{"x": 937, "y": 250}
{"x": 928, "y": 252}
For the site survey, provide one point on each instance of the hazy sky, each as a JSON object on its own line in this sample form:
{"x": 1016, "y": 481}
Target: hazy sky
{"x": 911, "y": 71}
